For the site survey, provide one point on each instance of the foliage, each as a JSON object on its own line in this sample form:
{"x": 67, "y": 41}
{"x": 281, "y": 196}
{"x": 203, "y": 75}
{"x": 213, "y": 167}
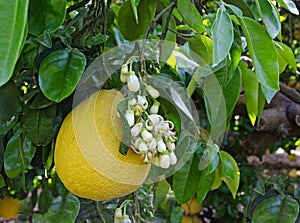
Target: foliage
{"x": 48, "y": 49}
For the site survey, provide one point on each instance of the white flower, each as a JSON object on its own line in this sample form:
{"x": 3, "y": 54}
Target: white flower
{"x": 170, "y": 146}
{"x": 124, "y": 69}
{"x": 165, "y": 161}
{"x": 152, "y": 91}
{"x": 154, "y": 108}
{"x": 142, "y": 146}
{"x": 147, "y": 136}
{"x": 152, "y": 146}
{"x": 132, "y": 102}
{"x": 136, "y": 129}
{"x": 161, "y": 146}
{"x": 133, "y": 82}
{"x": 142, "y": 101}
{"x": 126, "y": 219}
{"x": 155, "y": 119}
{"x": 123, "y": 78}
{"x": 173, "y": 158}
{"x": 130, "y": 117}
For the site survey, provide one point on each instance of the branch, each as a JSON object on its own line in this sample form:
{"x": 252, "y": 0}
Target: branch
{"x": 77, "y": 5}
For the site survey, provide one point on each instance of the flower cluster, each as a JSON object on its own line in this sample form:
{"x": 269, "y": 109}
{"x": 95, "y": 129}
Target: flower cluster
{"x": 120, "y": 218}
{"x": 151, "y": 136}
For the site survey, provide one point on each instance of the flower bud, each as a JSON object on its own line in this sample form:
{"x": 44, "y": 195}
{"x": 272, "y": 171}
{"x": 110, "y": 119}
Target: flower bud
{"x": 123, "y": 78}
{"x": 154, "y": 108}
{"x": 165, "y": 161}
{"x": 147, "y": 136}
{"x": 148, "y": 125}
{"x": 161, "y": 146}
{"x": 173, "y": 158}
{"x": 136, "y": 129}
{"x": 132, "y": 102}
{"x": 126, "y": 219}
{"x": 155, "y": 119}
{"x": 141, "y": 100}
{"x": 152, "y": 91}
{"x": 170, "y": 146}
{"x": 124, "y": 69}
{"x": 130, "y": 117}
{"x": 152, "y": 146}
{"x": 156, "y": 161}
{"x": 118, "y": 213}
{"x": 143, "y": 148}
{"x": 133, "y": 82}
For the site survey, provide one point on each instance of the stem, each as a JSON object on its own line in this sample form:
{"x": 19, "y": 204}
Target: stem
{"x": 77, "y": 5}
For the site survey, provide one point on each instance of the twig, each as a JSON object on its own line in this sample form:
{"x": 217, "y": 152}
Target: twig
{"x": 77, "y": 5}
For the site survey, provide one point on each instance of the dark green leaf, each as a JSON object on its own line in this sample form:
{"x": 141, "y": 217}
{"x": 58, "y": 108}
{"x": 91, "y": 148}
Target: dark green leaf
{"x": 209, "y": 154}
{"x": 45, "y": 16}
{"x": 160, "y": 193}
{"x": 190, "y": 15}
{"x": 96, "y": 40}
{"x": 2, "y": 181}
{"x": 202, "y": 46}
{"x": 241, "y": 5}
{"x": 281, "y": 209}
{"x": 127, "y": 22}
{"x": 270, "y": 17}
{"x": 41, "y": 125}
{"x": 40, "y": 101}
{"x": 222, "y": 36}
{"x": 60, "y": 72}
{"x": 217, "y": 181}
{"x": 260, "y": 188}
{"x": 289, "y": 5}
{"x": 176, "y": 214}
{"x": 29, "y": 53}
{"x": 251, "y": 88}
{"x": 45, "y": 200}
{"x": 186, "y": 180}
{"x": 264, "y": 56}
{"x": 230, "y": 172}
{"x": 9, "y": 106}
{"x": 13, "y": 31}
{"x": 45, "y": 40}
{"x": 205, "y": 183}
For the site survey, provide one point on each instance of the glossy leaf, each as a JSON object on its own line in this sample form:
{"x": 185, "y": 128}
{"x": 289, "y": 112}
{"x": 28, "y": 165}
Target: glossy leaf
{"x": 289, "y": 5}
{"x": 243, "y": 7}
{"x": 45, "y": 16}
{"x": 45, "y": 200}
{"x": 270, "y": 17}
{"x": 222, "y": 36}
{"x": 285, "y": 56}
{"x": 96, "y": 40}
{"x": 209, "y": 154}
{"x": 251, "y": 87}
{"x": 280, "y": 209}
{"x": 130, "y": 29}
{"x": 264, "y": 55}
{"x": 12, "y": 33}
{"x": 230, "y": 172}
{"x": 186, "y": 180}
{"x": 41, "y": 125}
{"x": 202, "y": 46}
{"x": 217, "y": 181}
{"x": 176, "y": 214}
{"x": 18, "y": 154}
{"x": 161, "y": 192}
{"x": 9, "y": 106}
{"x": 190, "y": 15}
{"x": 205, "y": 183}
{"x": 60, "y": 72}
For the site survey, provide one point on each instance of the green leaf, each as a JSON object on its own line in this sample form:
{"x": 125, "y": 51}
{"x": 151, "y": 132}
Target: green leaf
{"x": 127, "y": 21}
{"x": 285, "y": 57}
{"x": 264, "y": 55}
{"x": 9, "y": 106}
{"x": 60, "y": 72}
{"x": 217, "y": 181}
{"x": 134, "y": 4}
{"x": 2, "y": 181}
{"x": 260, "y": 188}
{"x": 222, "y": 36}
{"x": 251, "y": 88}
{"x": 45, "y": 40}
{"x": 209, "y": 154}
{"x": 61, "y": 210}
{"x": 13, "y": 31}
{"x": 190, "y": 15}
{"x": 230, "y": 172}
{"x": 242, "y": 6}
{"x": 280, "y": 209}
{"x": 45, "y": 200}
{"x": 289, "y": 5}
{"x": 40, "y": 101}
{"x": 269, "y": 16}
{"x": 160, "y": 193}
{"x": 170, "y": 40}
{"x": 41, "y": 125}
{"x": 186, "y": 180}
{"x": 96, "y": 40}
{"x": 45, "y": 16}
{"x": 268, "y": 92}
{"x": 205, "y": 183}
{"x": 202, "y": 46}
{"x": 18, "y": 154}
{"x": 176, "y": 214}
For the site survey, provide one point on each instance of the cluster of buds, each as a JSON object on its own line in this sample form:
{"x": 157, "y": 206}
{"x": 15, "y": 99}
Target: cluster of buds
{"x": 130, "y": 78}
{"x": 120, "y": 218}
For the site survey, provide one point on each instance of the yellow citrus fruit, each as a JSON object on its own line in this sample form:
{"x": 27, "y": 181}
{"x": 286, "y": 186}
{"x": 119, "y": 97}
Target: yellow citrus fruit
{"x": 9, "y": 207}
{"x": 190, "y": 219}
{"x": 87, "y": 156}
{"x": 192, "y": 206}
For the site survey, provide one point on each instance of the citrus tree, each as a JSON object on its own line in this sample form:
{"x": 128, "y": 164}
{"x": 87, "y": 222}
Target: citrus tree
{"x": 143, "y": 110}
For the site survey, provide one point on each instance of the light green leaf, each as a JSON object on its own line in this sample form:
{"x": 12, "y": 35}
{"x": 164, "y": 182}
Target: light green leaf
{"x": 127, "y": 22}
{"x": 217, "y": 181}
{"x": 268, "y": 92}
{"x": 161, "y": 192}
{"x": 242, "y": 6}
{"x": 285, "y": 56}
{"x": 264, "y": 55}
{"x": 289, "y": 5}
{"x": 45, "y": 16}
{"x": 270, "y": 17}
{"x": 251, "y": 87}
{"x": 60, "y": 72}
{"x": 13, "y": 31}
{"x": 222, "y": 36}
{"x": 190, "y": 15}
{"x": 202, "y": 46}
{"x": 280, "y": 209}
{"x": 186, "y": 180}
{"x": 230, "y": 172}
{"x": 134, "y": 4}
